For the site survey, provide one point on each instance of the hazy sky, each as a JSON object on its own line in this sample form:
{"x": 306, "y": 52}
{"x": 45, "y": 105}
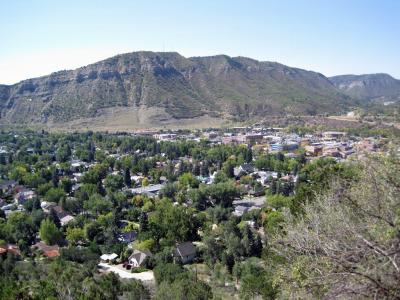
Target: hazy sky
{"x": 329, "y": 36}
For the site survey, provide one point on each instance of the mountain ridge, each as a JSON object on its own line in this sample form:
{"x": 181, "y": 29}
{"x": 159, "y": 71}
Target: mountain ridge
{"x": 376, "y": 86}
{"x": 218, "y": 86}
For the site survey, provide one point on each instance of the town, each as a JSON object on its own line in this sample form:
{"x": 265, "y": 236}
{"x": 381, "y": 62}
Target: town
{"x": 145, "y": 204}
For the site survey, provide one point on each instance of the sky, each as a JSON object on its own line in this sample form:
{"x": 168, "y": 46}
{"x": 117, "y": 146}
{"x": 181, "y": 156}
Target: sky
{"x": 328, "y": 36}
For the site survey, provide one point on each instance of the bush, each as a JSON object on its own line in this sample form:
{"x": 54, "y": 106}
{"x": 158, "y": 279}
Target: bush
{"x": 139, "y": 270}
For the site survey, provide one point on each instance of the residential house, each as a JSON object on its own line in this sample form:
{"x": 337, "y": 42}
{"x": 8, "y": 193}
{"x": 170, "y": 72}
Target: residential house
{"x": 7, "y": 186}
{"x": 150, "y": 190}
{"x": 47, "y": 206}
{"x": 64, "y": 216}
{"x": 314, "y": 150}
{"x": 243, "y": 170}
{"x": 108, "y": 257}
{"x": 10, "y": 248}
{"x": 48, "y": 251}
{"x": 23, "y": 196}
{"x": 127, "y": 237}
{"x": 138, "y": 258}
{"x": 240, "y": 210}
{"x": 185, "y": 252}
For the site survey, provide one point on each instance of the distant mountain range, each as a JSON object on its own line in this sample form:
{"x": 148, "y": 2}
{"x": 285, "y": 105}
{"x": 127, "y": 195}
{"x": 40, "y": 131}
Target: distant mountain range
{"x": 381, "y": 87}
{"x": 152, "y": 88}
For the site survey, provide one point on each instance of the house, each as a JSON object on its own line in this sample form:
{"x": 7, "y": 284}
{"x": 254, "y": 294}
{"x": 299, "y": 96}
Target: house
{"x": 185, "y": 252}
{"x": 313, "y": 150}
{"x": 7, "y": 186}
{"x": 108, "y": 257}
{"x": 333, "y": 135}
{"x": 127, "y": 237}
{"x": 66, "y": 219}
{"x": 138, "y": 258}
{"x": 150, "y": 190}
{"x": 276, "y": 147}
{"x": 48, "y": 251}
{"x": 10, "y": 248}
{"x": 23, "y": 196}
{"x": 47, "y": 206}
{"x": 254, "y": 138}
{"x": 77, "y": 165}
{"x": 240, "y": 210}
{"x": 243, "y": 170}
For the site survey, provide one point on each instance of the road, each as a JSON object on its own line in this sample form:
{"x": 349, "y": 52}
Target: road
{"x": 118, "y": 269}
{"x": 250, "y": 202}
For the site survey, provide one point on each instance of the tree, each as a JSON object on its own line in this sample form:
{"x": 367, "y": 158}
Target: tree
{"x": 66, "y": 185}
{"x": 145, "y": 181}
{"x": 97, "y": 204}
{"x": 143, "y": 222}
{"x": 75, "y": 235}
{"x": 54, "y": 218}
{"x": 248, "y": 156}
{"x": 185, "y": 288}
{"x": 228, "y": 167}
{"x": 127, "y": 177}
{"x": 173, "y": 223}
{"x": 222, "y": 193}
{"x": 54, "y": 195}
{"x": 49, "y": 232}
{"x": 63, "y": 153}
{"x": 198, "y": 199}
{"x": 167, "y": 272}
{"x": 346, "y": 244}
{"x": 114, "y": 182}
{"x": 188, "y": 180}
{"x": 19, "y": 227}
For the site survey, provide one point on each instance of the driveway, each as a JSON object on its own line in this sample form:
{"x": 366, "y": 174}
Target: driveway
{"x": 251, "y": 202}
{"x": 118, "y": 269}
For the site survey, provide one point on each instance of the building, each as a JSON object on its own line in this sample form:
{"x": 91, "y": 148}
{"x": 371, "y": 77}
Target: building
{"x": 48, "y": 251}
{"x": 138, "y": 258}
{"x": 127, "y": 237}
{"x": 10, "y": 248}
{"x": 243, "y": 170}
{"x": 333, "y": 135}
{"x": 240, "y": 210}
{"x": 185, "y": 252}
{"x": 7, "y": 186}
{"x": 24, "y": 196}
{"x": 150, "y": 190}
{"x": 165, "y": 136}
{"x": 254, "y": 138}
{"x": 314, "y": 150}
{"x": 108, "y": 257}
{"x": 276, "y": 147}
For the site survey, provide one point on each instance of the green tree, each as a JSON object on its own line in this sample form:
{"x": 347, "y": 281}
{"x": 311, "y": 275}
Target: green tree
{"x": 49, "y": 232}
{"x": 114, "y": 182}
{"x": 75, "y": 235}
{"x": 127, "y": 177}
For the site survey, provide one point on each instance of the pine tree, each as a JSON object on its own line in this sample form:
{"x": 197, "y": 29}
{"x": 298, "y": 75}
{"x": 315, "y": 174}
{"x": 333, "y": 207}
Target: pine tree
{"x": 54, "y": 178}
{"x": 54, "y": 218}
{"x": 143, "y": 222}
{"x": 127, "y": 178}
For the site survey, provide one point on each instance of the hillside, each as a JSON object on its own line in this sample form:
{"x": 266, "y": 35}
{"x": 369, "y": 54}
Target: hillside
{"x": 369, "y": 87}
{"x": 143, "y": 88}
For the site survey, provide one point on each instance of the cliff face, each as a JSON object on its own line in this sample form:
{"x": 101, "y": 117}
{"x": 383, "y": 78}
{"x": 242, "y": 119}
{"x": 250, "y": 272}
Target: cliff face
{"x": 218, "y": 86}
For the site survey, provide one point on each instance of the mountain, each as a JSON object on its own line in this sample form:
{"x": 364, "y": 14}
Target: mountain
{"x": 142, "y": 88}
{"x": 369, "y": 87}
